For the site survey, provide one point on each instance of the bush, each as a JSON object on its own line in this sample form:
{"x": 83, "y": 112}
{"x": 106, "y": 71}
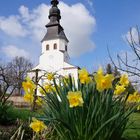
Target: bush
{"x": 6, "y": 116}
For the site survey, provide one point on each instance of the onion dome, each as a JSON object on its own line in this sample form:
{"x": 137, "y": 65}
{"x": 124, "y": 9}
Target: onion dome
{"x": 54, "y": 13}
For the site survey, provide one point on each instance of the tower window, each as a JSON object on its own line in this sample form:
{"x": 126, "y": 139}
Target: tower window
{"x": 47, "y": 47}
{"x": 55, "y": 46}
{"x": 66, "y": 48}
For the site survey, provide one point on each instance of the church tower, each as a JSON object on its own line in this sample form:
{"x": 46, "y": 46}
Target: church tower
{"x": 54, "y": 56}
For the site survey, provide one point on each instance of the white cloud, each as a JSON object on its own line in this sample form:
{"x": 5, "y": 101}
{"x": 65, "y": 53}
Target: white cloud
{"x": 12, "y": 51}
{"x": 12, "y": 26}
{"x": 24, "y": 11}
{"x": 78, "y": 25}
{"x": 35, "y": 20}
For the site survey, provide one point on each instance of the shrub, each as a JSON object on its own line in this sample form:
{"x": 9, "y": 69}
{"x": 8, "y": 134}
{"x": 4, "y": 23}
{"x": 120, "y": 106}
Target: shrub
{"x": 6, "y": 115}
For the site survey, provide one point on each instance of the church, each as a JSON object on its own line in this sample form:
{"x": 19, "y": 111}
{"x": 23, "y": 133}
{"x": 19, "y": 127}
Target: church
{"x": 54, "y": 56}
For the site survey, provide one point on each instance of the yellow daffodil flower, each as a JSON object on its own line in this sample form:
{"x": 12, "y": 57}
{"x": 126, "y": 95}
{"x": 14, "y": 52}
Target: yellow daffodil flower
{"x": 48, "y": 88}
{"x": 39, "y": 101}
{"x": 50, "y": 76}
{"x": 37, "y": 125}
{"x": 84, "y": 76}
{"x": 75, "y": 98}
{"x": 28, "y": 86}
{"x": 124, "y": 80}
{"x": 119, "y": 89}
{"x": 134, "y": 98}
{"x": 28, "y": 97}
{"x": 103, "y": 82}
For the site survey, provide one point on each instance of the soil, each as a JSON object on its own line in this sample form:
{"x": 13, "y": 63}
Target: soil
{"x": 7, "y": 131}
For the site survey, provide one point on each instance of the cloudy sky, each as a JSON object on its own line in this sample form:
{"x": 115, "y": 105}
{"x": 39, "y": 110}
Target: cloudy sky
{"x": 90, "y": 25}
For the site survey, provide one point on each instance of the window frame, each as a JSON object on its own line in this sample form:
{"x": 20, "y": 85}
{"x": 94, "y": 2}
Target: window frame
{"x": 55, "y": 46}
{"x": 47, "y": 47}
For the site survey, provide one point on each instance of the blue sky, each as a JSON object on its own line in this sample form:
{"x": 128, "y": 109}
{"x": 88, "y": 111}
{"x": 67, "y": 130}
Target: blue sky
{"x": 113, "y": 20}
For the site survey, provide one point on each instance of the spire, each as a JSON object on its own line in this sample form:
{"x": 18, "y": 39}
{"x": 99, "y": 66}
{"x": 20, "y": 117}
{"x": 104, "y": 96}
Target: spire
{"x": 54, "y": 2}
{"x": 54, "y": 13}
{"x": 54, "y": 29}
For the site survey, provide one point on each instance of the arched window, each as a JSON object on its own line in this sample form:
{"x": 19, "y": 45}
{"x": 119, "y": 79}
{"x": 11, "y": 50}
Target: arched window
{"x": 55, "y": 46}
{"x": 47, "y": 47}
{"x": 66, "y": 48}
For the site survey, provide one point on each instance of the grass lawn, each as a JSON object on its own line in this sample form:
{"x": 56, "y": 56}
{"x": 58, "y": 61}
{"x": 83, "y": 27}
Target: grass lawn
{"x": 23, "y": 113}
{"x": 133, "y": 129}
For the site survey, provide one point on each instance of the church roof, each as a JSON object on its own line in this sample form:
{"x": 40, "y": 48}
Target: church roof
{"x": 54, "y": 29}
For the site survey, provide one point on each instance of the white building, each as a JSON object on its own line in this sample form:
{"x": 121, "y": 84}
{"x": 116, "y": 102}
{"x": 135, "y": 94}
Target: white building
{"x": 54, "y": 56}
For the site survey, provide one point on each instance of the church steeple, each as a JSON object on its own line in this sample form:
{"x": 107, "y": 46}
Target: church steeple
{"x": 54, "y": 29}
{"x": 54, "y": 13}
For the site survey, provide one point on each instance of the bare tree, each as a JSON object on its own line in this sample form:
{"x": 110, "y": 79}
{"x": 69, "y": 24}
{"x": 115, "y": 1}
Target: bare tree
{"x": 19, "y": 67}
{"x": 7, "y": 86}
{"x": 12, "y": 75}
{"x": 125, "y": 63}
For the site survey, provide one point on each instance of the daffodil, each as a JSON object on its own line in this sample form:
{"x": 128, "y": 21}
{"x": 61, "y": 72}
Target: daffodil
{"x": 103, "y": 81}
{"x": 39, "y": 101}
{"x": 28, "y": 86}
{"x": 119, "y": 89}
{"x": 124, "y": 80}
{"x": 28, "y": 97}
{"x": 84, "y": 76}
{"x": 134, "y": 98}
{"x": 47, "y": 87}
{"x": 37, "y": 125}
{"x": 75, "y": 98}
{"x": 50, "y": 76}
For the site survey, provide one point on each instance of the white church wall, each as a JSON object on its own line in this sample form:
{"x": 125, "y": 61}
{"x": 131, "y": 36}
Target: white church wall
{"x": 52, "y": 60}
{"x": 51, "y": 44}
{"x": 62, "y": 44}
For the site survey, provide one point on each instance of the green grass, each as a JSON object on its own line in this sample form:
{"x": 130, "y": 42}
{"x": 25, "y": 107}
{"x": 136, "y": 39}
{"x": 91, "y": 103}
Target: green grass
{"x": 22, "y": 113}
{"x": 133, "y": 128}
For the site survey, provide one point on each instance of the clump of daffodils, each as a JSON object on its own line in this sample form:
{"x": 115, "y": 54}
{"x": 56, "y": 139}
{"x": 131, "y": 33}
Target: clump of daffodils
{"x": 85, "y": 110}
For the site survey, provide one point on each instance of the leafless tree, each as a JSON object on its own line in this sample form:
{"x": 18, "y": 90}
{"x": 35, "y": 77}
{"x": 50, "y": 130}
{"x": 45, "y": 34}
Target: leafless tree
{"x": 125, "y": 63}
{"x": 19, "y": 67}
{"x": 7, "y": 86}
{"x": 12, "y": 75}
